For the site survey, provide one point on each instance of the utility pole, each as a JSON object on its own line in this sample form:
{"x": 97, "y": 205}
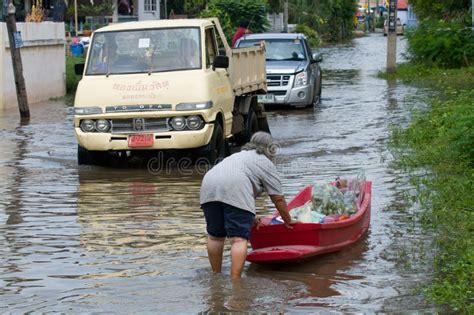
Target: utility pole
{"x": 377, "y": 12}
{"x": 367, "y": 15}
{"x": 75, "y": 18}
{"x": 166, "y": 9}
{"x": 392, "y": 37}
{"x": 285, "y": 16}
{"x": 17, "y": 64}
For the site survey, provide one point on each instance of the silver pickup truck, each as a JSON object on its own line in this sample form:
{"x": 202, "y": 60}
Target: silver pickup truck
{"x": 294, "y": 76}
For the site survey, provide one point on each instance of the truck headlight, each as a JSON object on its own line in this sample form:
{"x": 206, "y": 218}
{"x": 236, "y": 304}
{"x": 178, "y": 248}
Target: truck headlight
{"x": 194, "y": 122}
{"x": 102, "y": 125}
{"x": 194, "y": 106}
{"x": 87, "y": 110}
{"x": 87, "y": 125}
{"x": 301, "y": 79}
{"x": 178, "y": 123}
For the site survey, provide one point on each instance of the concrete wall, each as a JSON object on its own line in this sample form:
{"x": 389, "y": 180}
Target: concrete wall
{"x": 44, "y": 63}
{"x": 403, "y": 16}
{"x": 276, "y": 22}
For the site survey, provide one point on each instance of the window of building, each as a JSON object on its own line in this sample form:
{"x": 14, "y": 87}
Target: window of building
{"x": 150, "y": 6}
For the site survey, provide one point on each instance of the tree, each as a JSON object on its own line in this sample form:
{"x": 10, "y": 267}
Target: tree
{"x": 332, "y": 19}
{"x": 232, "y": 12}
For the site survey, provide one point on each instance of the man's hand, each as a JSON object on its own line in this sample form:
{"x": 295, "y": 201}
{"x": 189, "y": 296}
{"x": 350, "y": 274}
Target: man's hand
{"x": 258, "y": 222}
{"x": 280, "y": 204}
{"x": 290, "y": 224}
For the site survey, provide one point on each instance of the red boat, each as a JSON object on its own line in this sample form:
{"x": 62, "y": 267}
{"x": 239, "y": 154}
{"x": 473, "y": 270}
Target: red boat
{"x": 276, "y": 243}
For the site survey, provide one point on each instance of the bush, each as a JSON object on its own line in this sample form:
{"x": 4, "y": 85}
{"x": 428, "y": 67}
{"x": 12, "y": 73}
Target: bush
{"x": 332, "y": 19}
{"x": 313, "y": 38}
{"x": 232, "y": 12}
{"x": 71, "y": 78}
{"x": 380, "y": 22}
{"x": 224, "y": 20}
{"x": 443, "y": 44}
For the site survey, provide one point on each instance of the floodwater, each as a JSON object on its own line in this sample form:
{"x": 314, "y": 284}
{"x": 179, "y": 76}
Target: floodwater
{"x": 122, "y": 240}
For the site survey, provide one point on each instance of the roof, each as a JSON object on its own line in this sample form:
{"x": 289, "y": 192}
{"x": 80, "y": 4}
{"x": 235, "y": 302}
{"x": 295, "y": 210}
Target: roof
{"x": 274, "y": 36}
{"x": 402, "y": 5}
{"x": 156, "y": 24}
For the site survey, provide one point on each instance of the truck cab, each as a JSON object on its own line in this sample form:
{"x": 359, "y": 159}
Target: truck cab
{"x": 294, "y": 76}
{"x": 158, "y": 85}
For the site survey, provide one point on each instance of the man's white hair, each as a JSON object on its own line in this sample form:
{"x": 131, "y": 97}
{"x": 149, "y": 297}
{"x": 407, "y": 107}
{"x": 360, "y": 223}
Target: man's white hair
{"x": 262, "y": 143}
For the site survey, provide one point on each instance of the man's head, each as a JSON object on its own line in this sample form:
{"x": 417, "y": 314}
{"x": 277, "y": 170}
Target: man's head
{"x": 262, "y": 143}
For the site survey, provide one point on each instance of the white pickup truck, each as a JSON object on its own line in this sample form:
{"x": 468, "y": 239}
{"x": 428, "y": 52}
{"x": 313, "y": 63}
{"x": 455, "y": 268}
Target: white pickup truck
{"x": 169, "y": 84}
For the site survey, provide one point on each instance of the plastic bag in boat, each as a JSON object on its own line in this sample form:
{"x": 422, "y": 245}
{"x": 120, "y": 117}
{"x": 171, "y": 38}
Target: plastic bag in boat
{"x": 306, "y": 214}
{"x": 327, "y": 199}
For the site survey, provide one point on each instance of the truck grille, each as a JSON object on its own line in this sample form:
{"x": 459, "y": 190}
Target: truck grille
{"x": 131, "y": 125}
{"x": 278, "y": 80}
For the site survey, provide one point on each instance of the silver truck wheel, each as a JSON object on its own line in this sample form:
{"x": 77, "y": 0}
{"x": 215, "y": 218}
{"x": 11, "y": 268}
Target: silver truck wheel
{"x": 317, "y": 91}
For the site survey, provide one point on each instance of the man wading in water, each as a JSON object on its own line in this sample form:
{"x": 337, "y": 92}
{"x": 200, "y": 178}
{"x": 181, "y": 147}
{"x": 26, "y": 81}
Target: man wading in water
{"x": 228, "y": 194}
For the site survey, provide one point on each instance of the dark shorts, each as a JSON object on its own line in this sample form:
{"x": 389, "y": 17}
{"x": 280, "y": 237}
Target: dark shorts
{"x": 224, "y": 220}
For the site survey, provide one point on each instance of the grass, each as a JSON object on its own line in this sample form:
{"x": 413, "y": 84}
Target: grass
{"x": 71, "y": 78}
{"x": 440, "y": 140}
{"x": 447, "y": 79}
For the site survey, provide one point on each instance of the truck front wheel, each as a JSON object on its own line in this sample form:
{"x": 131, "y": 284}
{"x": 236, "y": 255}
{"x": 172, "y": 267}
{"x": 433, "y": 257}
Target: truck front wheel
{"x": 215, "y": 151}
{"x": 86, "y": 157}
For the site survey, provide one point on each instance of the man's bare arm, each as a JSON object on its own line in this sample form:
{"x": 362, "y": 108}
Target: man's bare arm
{"x": 282, "y": 207}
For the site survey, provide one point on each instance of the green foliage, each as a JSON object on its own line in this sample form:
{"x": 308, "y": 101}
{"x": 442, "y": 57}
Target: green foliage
{"x": 313, "y": 38}
{"x": 441, "y": 9}
{"x": 194, "y": 7}
{"x": 276, "y": 6}
{"x": 332, "y": 19}
{"x": 232, "y": 12}
{"x": 441, "y": 141}
{"x": 71, "y": 78}
{"x": 224, "y": 19}
{"x": 105, "y": 7}
{"x": 440, "y": 43}
{"x": 380, "y": 22}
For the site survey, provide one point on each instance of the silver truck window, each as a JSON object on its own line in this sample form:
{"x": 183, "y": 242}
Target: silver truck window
{"x": 279, "y": 49}
{"x": 142, "y": 51}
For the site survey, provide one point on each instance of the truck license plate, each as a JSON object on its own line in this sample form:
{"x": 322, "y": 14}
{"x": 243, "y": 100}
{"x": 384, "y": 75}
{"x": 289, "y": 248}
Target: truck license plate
{"x": 266, "y": 98}
{"x": 141, "y": 140}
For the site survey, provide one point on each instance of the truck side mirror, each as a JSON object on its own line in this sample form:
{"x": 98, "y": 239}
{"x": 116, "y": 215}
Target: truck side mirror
{"x": 221, "y": 62}
{"x": 317, "y": 57}
{"x": 79, "y": 68}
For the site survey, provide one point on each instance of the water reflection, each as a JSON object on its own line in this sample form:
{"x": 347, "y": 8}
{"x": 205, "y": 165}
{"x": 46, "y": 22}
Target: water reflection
{"x": 14, "y": 206}
{"x": 138, "y": 211}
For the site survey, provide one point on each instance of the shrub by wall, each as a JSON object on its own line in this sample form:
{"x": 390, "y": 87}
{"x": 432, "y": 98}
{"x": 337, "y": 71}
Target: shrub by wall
{"x": 442, "y": 43}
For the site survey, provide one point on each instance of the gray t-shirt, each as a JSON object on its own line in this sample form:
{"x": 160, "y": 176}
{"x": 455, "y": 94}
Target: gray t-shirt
{"x": 239, "y": 179}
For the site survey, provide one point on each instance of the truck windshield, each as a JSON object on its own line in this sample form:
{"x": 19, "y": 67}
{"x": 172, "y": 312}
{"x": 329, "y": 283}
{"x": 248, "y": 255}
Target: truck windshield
{"x": 279, "y": 49}
{"x": 141, "y": 51}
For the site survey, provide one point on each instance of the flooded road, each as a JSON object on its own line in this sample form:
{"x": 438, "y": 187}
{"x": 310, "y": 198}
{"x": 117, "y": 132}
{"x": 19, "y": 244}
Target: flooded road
{"x": 121, "y": 240}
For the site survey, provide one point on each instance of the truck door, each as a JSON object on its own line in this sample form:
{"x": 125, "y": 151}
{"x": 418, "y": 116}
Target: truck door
{"x": 313, "y": 67}
{"x": 219, "y": 80}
